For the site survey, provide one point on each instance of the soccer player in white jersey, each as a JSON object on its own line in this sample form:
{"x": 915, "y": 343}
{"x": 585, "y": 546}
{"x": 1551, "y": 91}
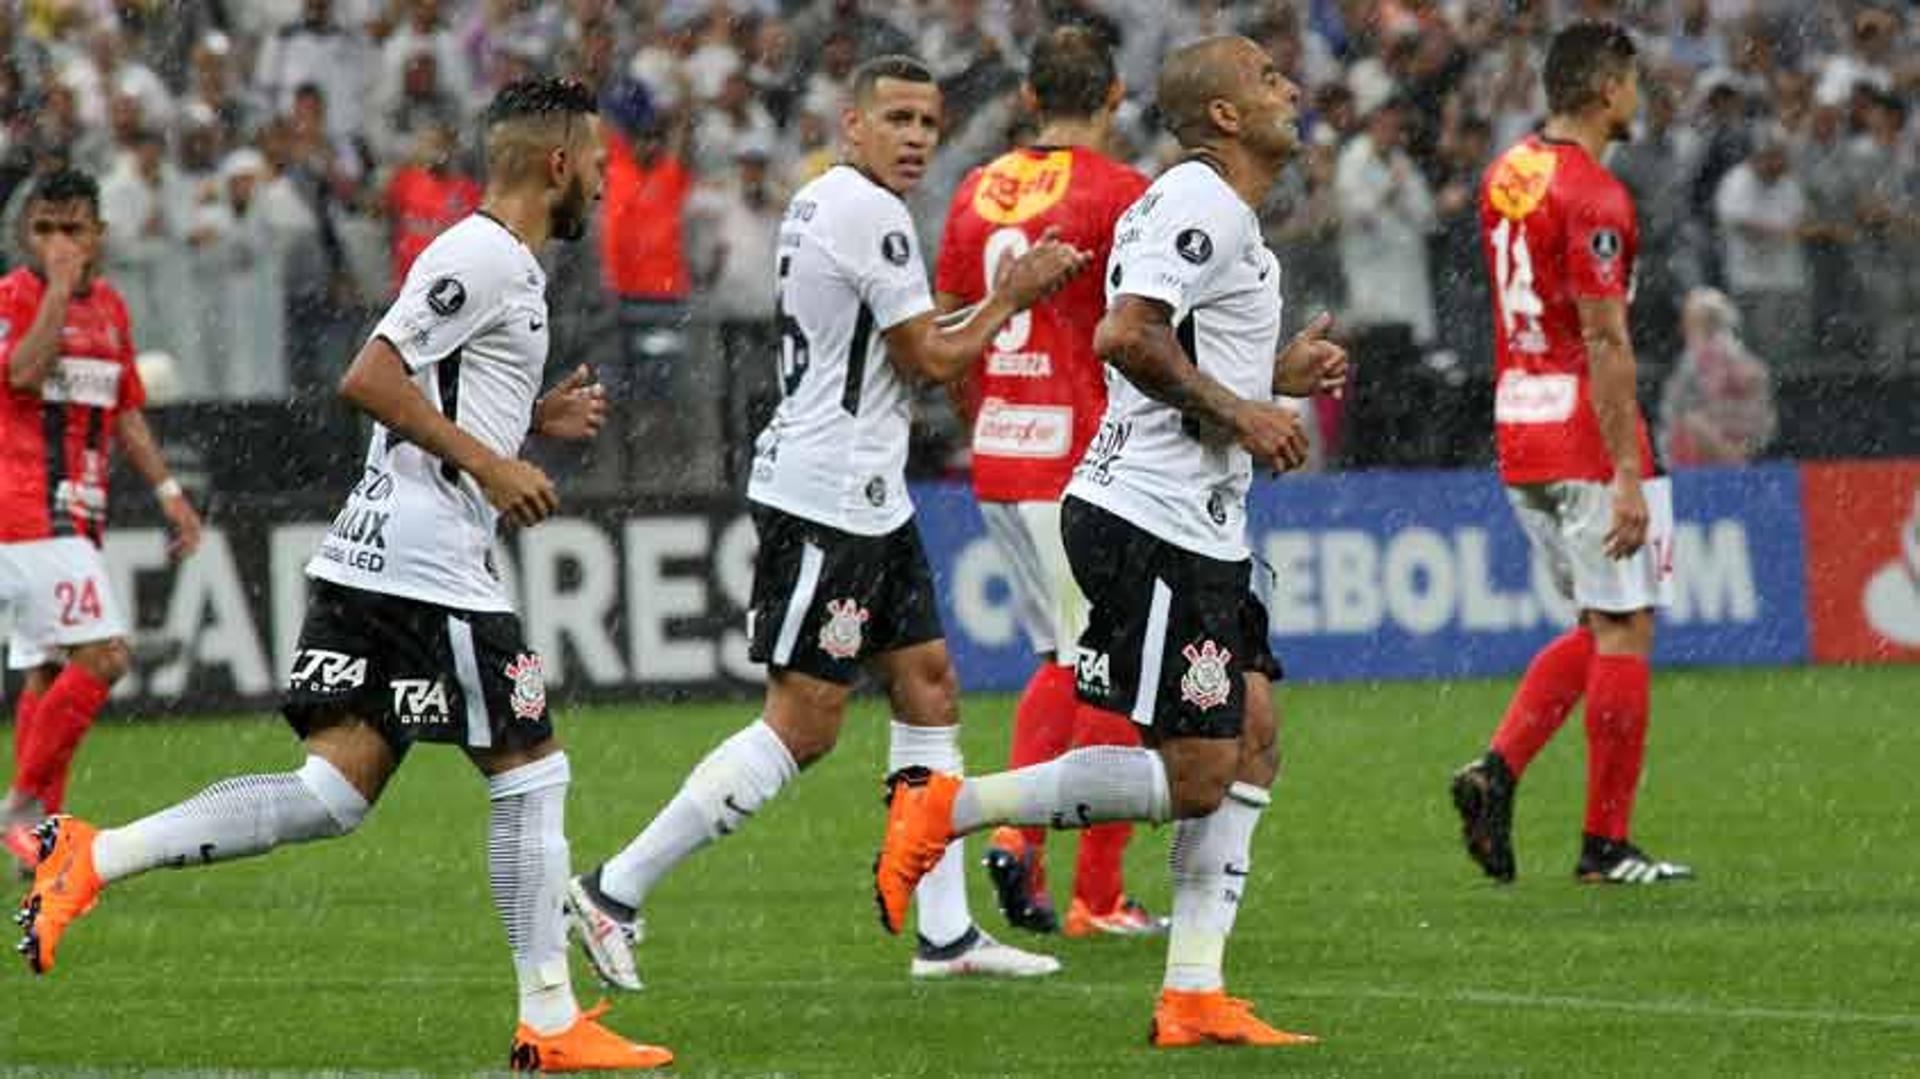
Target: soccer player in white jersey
{"x": 840, "y": 581}
{"x": 1155, "y": 528}
{"x": 410, "y": 635}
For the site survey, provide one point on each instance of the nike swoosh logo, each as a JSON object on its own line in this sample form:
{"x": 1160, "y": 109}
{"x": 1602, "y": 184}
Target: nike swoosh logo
{"x": 535, "y": 325}
{"x": 1232, "y": 870}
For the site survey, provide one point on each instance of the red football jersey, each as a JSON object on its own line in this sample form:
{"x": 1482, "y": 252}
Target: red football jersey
{"x": 54, "y": 443}
{"x": 1040, "y": 389}
{"x": 1557, "y": 228}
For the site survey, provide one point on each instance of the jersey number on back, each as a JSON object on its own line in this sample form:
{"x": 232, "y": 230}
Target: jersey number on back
{"x": 794, "y": 353}
{"x": 1007, "y": 243}
{"x": 1520, "y": 305}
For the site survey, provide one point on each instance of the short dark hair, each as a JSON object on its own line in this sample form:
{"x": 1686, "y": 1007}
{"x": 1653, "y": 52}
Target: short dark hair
{"x": 1579, "y": 58}
{"x": 891, "y": 66}
{"x": 66, "y": 185}
{"x": 537, "y": 98}
{"x": 1070, "y": 71}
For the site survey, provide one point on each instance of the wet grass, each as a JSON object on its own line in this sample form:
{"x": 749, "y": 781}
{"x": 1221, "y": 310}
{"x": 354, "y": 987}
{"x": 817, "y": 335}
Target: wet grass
{"x": 1791, "y": 791}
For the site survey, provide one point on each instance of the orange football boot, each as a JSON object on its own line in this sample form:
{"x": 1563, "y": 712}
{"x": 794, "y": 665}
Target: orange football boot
{"x": 64, "y": 887}
{"x": 919, "y": 826}
{"x": 1128, "y": 918}
{"x": 1183, "y": 1018}
{"x": 583, "y": 1047}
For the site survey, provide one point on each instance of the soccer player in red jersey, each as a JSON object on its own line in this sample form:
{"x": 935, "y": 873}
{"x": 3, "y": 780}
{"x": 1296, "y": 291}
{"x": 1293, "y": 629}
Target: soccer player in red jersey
{"x": 1560, "y": 236}
{"x": 71, "y": 387}
{"x": 1033, "y": 401}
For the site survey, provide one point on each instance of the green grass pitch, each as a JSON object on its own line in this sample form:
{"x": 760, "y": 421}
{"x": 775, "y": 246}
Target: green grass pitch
{"x": 1795, "y": 954}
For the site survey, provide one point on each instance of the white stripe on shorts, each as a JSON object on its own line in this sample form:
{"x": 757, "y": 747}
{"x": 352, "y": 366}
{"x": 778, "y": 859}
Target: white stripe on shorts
{"x": 466, "y": 667}
{"x": 811, "y": 559}
{"x": 1152, "y": 654}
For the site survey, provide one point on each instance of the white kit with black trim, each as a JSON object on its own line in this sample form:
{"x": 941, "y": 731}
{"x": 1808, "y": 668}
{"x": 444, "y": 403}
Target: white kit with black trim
{"x": 471, "y": 325}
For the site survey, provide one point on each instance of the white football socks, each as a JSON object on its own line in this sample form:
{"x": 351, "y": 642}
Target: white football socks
{"x": 942, "y": 894}
{"x": 527, "y": 869}
{"x": 1211, "y": 857}
{"x": 234, "y": 818}
{"x": 1078, "y": 788}
{"x": 728, "y": 786}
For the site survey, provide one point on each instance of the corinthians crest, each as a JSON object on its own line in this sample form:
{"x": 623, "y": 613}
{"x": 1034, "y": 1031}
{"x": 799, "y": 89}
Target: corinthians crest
{"x": 529, "y": 676}
{"x": 1206, "y": 683}
{"x": 840, "y": 637}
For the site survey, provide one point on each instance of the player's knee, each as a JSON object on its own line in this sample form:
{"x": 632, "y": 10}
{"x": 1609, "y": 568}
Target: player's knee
{"x": 808, "y": 735}
{"x": 109, "y": 661}
{"x": 1622, "y": 632}
{"x": 346, "y": 807}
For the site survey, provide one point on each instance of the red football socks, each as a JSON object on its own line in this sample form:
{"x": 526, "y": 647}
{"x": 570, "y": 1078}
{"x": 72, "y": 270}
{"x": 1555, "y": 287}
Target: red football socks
{"x": 59, "y": 723}
{"x": 23, "y": 710}
{"x": 1098, "y": 874}
{"x": 1043, "y": 725}
{"x": 1551, "y": 687}
{"x": 1617, "y": 703}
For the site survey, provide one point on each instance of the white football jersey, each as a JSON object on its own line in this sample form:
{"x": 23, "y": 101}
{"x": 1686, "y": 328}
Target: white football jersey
{"x": 848, "y": 269}
{"x": 1192, "y": 243}
{"x": 471, "y": 325}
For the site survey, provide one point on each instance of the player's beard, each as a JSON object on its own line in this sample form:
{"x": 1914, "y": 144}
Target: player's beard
{"x": 569, "y": 217}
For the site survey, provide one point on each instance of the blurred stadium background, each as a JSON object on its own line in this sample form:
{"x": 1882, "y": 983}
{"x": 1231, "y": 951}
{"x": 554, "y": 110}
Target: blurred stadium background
{"x": 271, "y": 166}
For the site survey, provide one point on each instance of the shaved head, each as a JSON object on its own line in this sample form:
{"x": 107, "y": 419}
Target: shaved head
{"x": 1195, "y": 76}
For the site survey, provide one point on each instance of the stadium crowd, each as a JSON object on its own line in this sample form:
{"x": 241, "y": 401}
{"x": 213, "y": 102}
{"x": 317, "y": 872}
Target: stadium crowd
{"x": 271, "y": 168}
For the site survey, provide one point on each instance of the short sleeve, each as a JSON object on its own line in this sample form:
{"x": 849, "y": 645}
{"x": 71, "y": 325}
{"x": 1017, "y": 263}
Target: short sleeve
{"x": 441, "y": 307}
{"x": 1598, "y": 249}
{"x": 877, "y": 250}
{"x": 958, "y": 272}
{"x": 1169, "y": 246}
{"x": 16, "y": 318}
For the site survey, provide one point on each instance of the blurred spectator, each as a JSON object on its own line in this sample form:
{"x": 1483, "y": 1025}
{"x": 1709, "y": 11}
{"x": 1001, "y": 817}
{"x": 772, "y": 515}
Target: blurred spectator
{"x": 743, "y": 217}
{"x": 422, "y": 103}
{"x": 1717, "y": 407}
{"x": 27, "y": 55}
{"x": 1761, "y": 209}
{"x": 509, "y": 39}
{"x": 1694, "y": 44}
{"x": 1883, "y": 259}
{"x": 1869, "y": 59}
{"x": 643, "y": 246}
{"x": 237, "y": 345}
{"x": 1386, "y": 215}
{"x": 144, "y": 204}
{"x": 425, "y": 196}
{"x": 735, "y": 119}
{"x": 423, "y": 29}
{"x": 860, "y": 26}
{"x": 1833, "y": 188}
{"x": 319, "y": 52}
{"x": 1657, "y": 167}
{"x": 105, "y": 71}
{"x": 213, "y": 88}
{"x": 1460, "y": 267}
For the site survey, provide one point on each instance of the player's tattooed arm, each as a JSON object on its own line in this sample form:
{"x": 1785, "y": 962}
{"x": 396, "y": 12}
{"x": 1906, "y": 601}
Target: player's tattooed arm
{"x": 1311, "y": 364}
{"x": 1136, "y": 336}
{"x": 1610, "y": 365}
{"x": 377, "y": 384}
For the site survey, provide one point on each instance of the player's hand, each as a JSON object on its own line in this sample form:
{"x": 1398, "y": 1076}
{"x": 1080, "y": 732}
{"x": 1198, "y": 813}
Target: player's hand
{"x": 1313, "y": 365}
{"x": 65, "y": 262}
{"x": 573, "y": 410}
{"x": 185, "y": 523}
{"x": 520, "y": 491}
{"x": 1037, "y": 274}
{"x": 1627, "y": 532}
{"x": 1273, "y": 435}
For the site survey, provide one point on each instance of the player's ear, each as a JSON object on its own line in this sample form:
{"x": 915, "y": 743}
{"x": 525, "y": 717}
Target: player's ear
{"x": 1029, "y": 101}
{"x": 1116, "y": 94}
{"x": 852, "y": 125}
{"x": 1225, "y": 115}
